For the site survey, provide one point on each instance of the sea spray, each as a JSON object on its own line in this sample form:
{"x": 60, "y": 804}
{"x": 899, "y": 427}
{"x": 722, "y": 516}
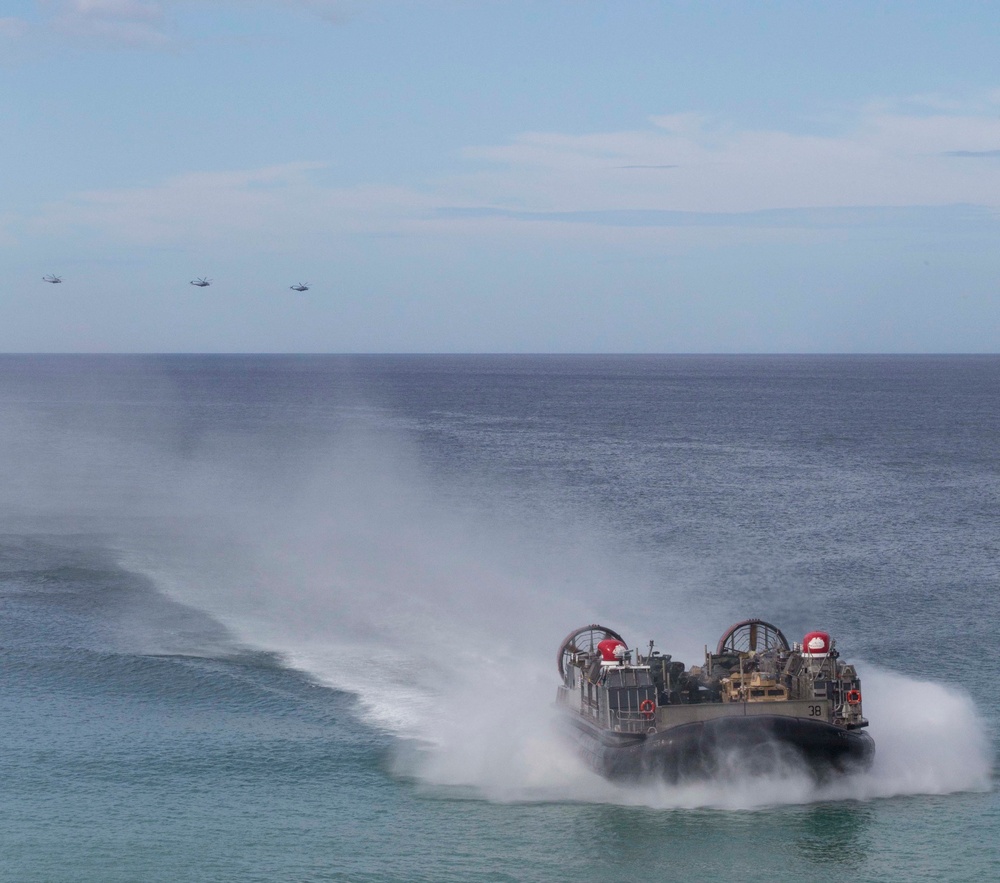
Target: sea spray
{"x": 929, "y": 737}
{"x": 445, "y": 627}
{"x": 437, "y": 600}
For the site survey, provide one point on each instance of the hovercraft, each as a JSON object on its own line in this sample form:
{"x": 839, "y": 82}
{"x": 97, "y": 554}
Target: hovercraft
{"x": 757, "y": 706}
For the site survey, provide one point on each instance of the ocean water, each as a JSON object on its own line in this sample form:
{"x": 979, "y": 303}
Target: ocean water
{"x": 273, "y": 618}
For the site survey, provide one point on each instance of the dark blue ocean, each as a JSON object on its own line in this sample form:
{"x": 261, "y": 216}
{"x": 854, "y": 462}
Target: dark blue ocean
{"x": 295, "y": 618}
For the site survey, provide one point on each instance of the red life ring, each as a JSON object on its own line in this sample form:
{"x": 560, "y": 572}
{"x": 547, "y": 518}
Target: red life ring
{"x": 853, "y": 697}
{"x": 647, "y": 707}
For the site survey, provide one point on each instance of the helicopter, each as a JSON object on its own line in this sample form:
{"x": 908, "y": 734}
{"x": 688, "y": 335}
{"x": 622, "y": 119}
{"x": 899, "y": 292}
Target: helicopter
{"x": 201, "y": 282}
{"x": 53, "y": 278}
{"x": 302, "y": 286}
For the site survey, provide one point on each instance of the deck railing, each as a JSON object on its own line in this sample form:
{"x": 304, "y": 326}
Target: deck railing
{"x": 631, "y": 721}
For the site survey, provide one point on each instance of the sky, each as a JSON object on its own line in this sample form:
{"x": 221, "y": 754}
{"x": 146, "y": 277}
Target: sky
{"x": 500, "y": 176}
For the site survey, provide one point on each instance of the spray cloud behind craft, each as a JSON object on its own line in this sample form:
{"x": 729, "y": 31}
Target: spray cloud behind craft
{"x": 439, "y": 598}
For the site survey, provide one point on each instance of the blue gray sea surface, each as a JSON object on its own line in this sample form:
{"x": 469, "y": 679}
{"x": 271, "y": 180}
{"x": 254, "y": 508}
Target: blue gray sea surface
{"x": 295, "y": 617}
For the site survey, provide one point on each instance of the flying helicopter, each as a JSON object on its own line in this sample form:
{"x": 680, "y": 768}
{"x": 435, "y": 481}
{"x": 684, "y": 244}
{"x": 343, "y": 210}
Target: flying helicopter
{"x": 53, "y": 278}
{"x": 302, "y": 286}
{"x": 201, "y": 282}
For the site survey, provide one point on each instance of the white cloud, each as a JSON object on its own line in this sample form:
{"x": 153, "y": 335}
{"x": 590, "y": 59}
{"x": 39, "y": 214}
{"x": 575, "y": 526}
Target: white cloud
{"x": 134, "y": 10}
{"x": 134, "y": 24}
{"x": 682, "y": 171}
{"x": 690, "y": 163}
{"x": 141, "y": 24}
{"x": 269, "y": 209}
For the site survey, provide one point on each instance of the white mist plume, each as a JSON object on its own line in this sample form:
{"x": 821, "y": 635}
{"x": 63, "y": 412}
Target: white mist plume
{"x": 445, "y": 620}
{"x": 437, "y": 604}
{"x": 929, "y": 739}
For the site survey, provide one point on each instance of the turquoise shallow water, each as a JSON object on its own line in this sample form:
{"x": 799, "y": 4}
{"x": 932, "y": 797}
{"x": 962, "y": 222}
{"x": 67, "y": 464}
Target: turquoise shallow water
{"x": 268, "y": 618}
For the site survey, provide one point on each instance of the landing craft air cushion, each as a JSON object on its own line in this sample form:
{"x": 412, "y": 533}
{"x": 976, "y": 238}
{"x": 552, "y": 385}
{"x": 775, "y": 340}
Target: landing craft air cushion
{"x": 757, "y": 706}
